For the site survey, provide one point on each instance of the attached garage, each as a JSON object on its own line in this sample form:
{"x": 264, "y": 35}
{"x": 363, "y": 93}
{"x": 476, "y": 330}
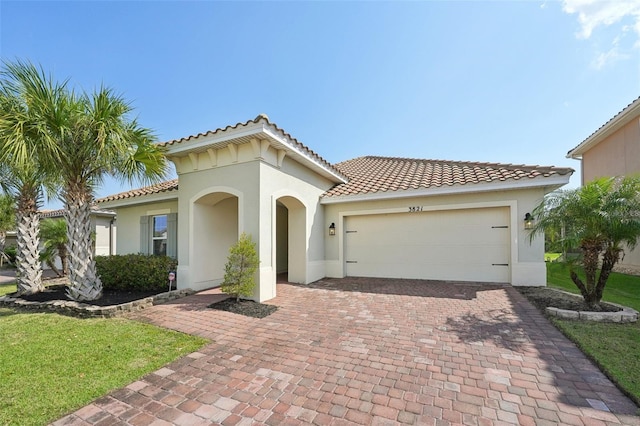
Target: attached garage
{"x": 458, "y": 245}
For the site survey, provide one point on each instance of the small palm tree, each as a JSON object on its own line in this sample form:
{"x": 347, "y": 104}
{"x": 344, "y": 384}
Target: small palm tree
{"x": 53, "y": 233}
{"x": 602, "y": 218}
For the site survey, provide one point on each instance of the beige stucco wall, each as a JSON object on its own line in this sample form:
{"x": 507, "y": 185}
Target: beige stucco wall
{"x": 255, "y": 185}
{"x": 617, "y": 155}
{"x": 527, "y": 259}
{"x": 128, "y": 223}
{"x": 106, "y": 230}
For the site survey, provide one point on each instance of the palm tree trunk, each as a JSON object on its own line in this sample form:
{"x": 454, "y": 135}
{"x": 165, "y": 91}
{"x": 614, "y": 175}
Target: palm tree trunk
{"x": 28, "y": 253}
{"x": 85, "y": 285}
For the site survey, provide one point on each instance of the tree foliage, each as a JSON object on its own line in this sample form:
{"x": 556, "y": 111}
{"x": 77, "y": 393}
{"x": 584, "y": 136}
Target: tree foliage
{"x": 70, "y": 141}
{"x": 53, "y": 234}
{"x": 240, "y": 268}
{"x": 601, "y": 218}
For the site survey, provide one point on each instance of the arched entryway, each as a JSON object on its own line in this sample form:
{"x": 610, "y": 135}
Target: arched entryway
{"x": 215, "y": 229}
{"x": 291, "y": 239}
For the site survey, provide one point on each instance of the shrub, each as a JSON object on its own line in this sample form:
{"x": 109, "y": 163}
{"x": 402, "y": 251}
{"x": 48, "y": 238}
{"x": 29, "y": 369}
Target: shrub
{"x": 135, "y": 272}
{"x": 240, "y": 268}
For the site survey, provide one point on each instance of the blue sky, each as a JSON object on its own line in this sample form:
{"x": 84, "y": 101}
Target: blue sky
{"x": 498, "y": 81}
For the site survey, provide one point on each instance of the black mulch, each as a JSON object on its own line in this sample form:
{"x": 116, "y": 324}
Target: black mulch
{"x": 247, "y": 308}
{"x": 109, "y": 297}
{"x": 543, "y": 297}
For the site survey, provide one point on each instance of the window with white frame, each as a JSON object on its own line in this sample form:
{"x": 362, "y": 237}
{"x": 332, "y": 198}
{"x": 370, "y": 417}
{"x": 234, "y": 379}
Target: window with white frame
{"x": 159, "y": 236}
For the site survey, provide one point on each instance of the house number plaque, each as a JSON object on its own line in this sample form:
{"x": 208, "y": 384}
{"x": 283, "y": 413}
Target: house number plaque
{"x": 413, "y": 209}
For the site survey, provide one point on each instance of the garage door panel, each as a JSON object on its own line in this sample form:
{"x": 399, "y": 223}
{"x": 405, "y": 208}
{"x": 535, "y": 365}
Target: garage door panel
{"x": 465, "y": 245}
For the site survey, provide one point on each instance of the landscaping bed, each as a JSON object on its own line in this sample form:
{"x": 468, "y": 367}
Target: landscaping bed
{"x": 545, "y": 297}
{"x": 247, "y": 308}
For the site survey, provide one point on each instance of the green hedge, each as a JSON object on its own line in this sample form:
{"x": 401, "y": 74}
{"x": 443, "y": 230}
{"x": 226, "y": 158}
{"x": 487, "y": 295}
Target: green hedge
{"x": 135, "y": 272}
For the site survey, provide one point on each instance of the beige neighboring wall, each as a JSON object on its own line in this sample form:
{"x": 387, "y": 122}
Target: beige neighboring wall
{"x": 614, "y": 150}
{"x": 128, "y": 229}
{"x": 616, "y": 155}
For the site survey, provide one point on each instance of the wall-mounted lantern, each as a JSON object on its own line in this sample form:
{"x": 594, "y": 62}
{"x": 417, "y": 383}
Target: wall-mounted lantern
{"x": 529, "y": 221}
{"x": 332, "y": 229}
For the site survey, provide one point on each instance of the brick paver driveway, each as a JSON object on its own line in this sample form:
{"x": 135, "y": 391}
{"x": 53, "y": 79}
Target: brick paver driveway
{"x": 369, "y": 351}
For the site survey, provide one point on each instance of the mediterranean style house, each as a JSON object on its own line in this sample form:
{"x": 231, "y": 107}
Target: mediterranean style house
{"x": 370, "y": 216}
{"x": 613, "y": 150}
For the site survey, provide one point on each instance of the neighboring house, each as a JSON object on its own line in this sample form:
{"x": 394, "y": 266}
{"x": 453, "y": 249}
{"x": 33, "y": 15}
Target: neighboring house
{"x": 370, "y": 216}
{"x": 613, "y": 150}
{"x": 103, "y": 224}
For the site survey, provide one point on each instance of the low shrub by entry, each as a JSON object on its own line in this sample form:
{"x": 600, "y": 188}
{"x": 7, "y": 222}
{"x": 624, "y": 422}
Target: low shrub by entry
{"x": 135, "y": 272}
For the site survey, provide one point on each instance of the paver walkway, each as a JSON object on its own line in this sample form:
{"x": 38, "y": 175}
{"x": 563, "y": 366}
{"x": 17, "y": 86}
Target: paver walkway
{"x": 369, "y": 351}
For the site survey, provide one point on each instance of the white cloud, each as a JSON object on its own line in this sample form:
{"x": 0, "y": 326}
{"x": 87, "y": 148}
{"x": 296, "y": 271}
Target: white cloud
{"x": 593, "y": 14}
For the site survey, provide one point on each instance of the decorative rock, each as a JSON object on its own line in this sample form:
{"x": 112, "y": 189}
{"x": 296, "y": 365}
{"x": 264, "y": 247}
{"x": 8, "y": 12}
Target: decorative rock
{"x": 85, "y": 310}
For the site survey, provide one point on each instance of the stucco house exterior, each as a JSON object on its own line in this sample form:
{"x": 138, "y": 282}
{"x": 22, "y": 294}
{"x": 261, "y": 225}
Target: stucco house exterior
{"x": 613, "y": 150}
{"x": 370, "y": 216}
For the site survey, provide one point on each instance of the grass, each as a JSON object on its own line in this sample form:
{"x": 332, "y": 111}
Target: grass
{"x": 621, "y": 288}
{"x": 7, "y": 288}
{"x": 51, "y": 364}
{"x": 614, "y": 347}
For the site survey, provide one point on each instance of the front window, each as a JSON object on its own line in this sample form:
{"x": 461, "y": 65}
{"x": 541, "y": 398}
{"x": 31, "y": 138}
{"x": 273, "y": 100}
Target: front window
{"x": 159, "y": 238}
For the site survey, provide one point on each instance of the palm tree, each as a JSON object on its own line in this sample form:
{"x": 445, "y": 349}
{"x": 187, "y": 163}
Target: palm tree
{"x": 100, "y": 140}
{"x": 78, "y": 139}
{"x": 28, "y": 98}
{"x": 602, "y": 218}
{"x": 53, "y": 233}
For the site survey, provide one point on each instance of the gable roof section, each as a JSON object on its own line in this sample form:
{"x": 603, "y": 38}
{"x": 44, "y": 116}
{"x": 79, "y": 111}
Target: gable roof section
{"x": 51, "y": 214}
{"x": 163, "y": 187}
{"x": 630, "y": 112}
{"x": 258, "y": 127}
{"x": 375, "y": 175}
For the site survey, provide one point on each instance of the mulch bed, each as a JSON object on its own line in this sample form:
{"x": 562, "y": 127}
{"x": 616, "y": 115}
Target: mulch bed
{"x": 109, "y": 297}
{"x": 543, "y": 297}
{"x": 247, "y": 308}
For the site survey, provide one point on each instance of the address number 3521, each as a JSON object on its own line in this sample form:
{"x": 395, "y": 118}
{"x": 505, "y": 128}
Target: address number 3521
{"x": 413, "y": 209}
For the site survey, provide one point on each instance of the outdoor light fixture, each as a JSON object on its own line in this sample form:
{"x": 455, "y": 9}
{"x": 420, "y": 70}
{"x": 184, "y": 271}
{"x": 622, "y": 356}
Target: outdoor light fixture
{"x": 529, "y": 221}
{"x": 332, "y": 229}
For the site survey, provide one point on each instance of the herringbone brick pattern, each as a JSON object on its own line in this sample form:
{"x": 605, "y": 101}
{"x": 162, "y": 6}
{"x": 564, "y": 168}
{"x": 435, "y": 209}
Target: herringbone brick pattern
{"x": 369, "y": 351}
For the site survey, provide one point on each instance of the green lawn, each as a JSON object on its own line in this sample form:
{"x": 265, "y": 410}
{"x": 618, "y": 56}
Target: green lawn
{"x": 51, "y": 365}
{"x": 7, "y": 288}
{"x": 614, "y": 347}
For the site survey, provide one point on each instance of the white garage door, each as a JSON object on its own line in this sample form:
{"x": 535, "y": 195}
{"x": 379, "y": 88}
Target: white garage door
{"x": 458, "y": 245}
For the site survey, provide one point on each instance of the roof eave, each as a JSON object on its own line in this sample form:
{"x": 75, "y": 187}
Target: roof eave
{"x": 260, "y": 129}
{"x": 549, "y": 184}
{"x": 618, "y": 121}
{"x": 140, "y": 199}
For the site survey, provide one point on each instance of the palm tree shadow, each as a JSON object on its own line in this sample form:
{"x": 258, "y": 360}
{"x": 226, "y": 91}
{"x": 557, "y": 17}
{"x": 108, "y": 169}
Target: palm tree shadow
{"x": 499, "y": 327}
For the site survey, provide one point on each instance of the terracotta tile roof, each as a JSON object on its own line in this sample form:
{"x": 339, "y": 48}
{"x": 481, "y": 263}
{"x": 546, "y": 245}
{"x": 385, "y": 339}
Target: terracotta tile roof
{"x": 381, "y": 174}
{"x": 60, "y": 212}
{"x": 170, "y": 185}
{"x": 264, "y": 118}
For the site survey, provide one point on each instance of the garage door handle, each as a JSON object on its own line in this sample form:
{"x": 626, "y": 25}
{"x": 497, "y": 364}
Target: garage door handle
{"x": 350, "y": 232}
{"x": 499, "y": 264}
{"x": 501, "y": 227}
{"x": 352, "y": 261}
